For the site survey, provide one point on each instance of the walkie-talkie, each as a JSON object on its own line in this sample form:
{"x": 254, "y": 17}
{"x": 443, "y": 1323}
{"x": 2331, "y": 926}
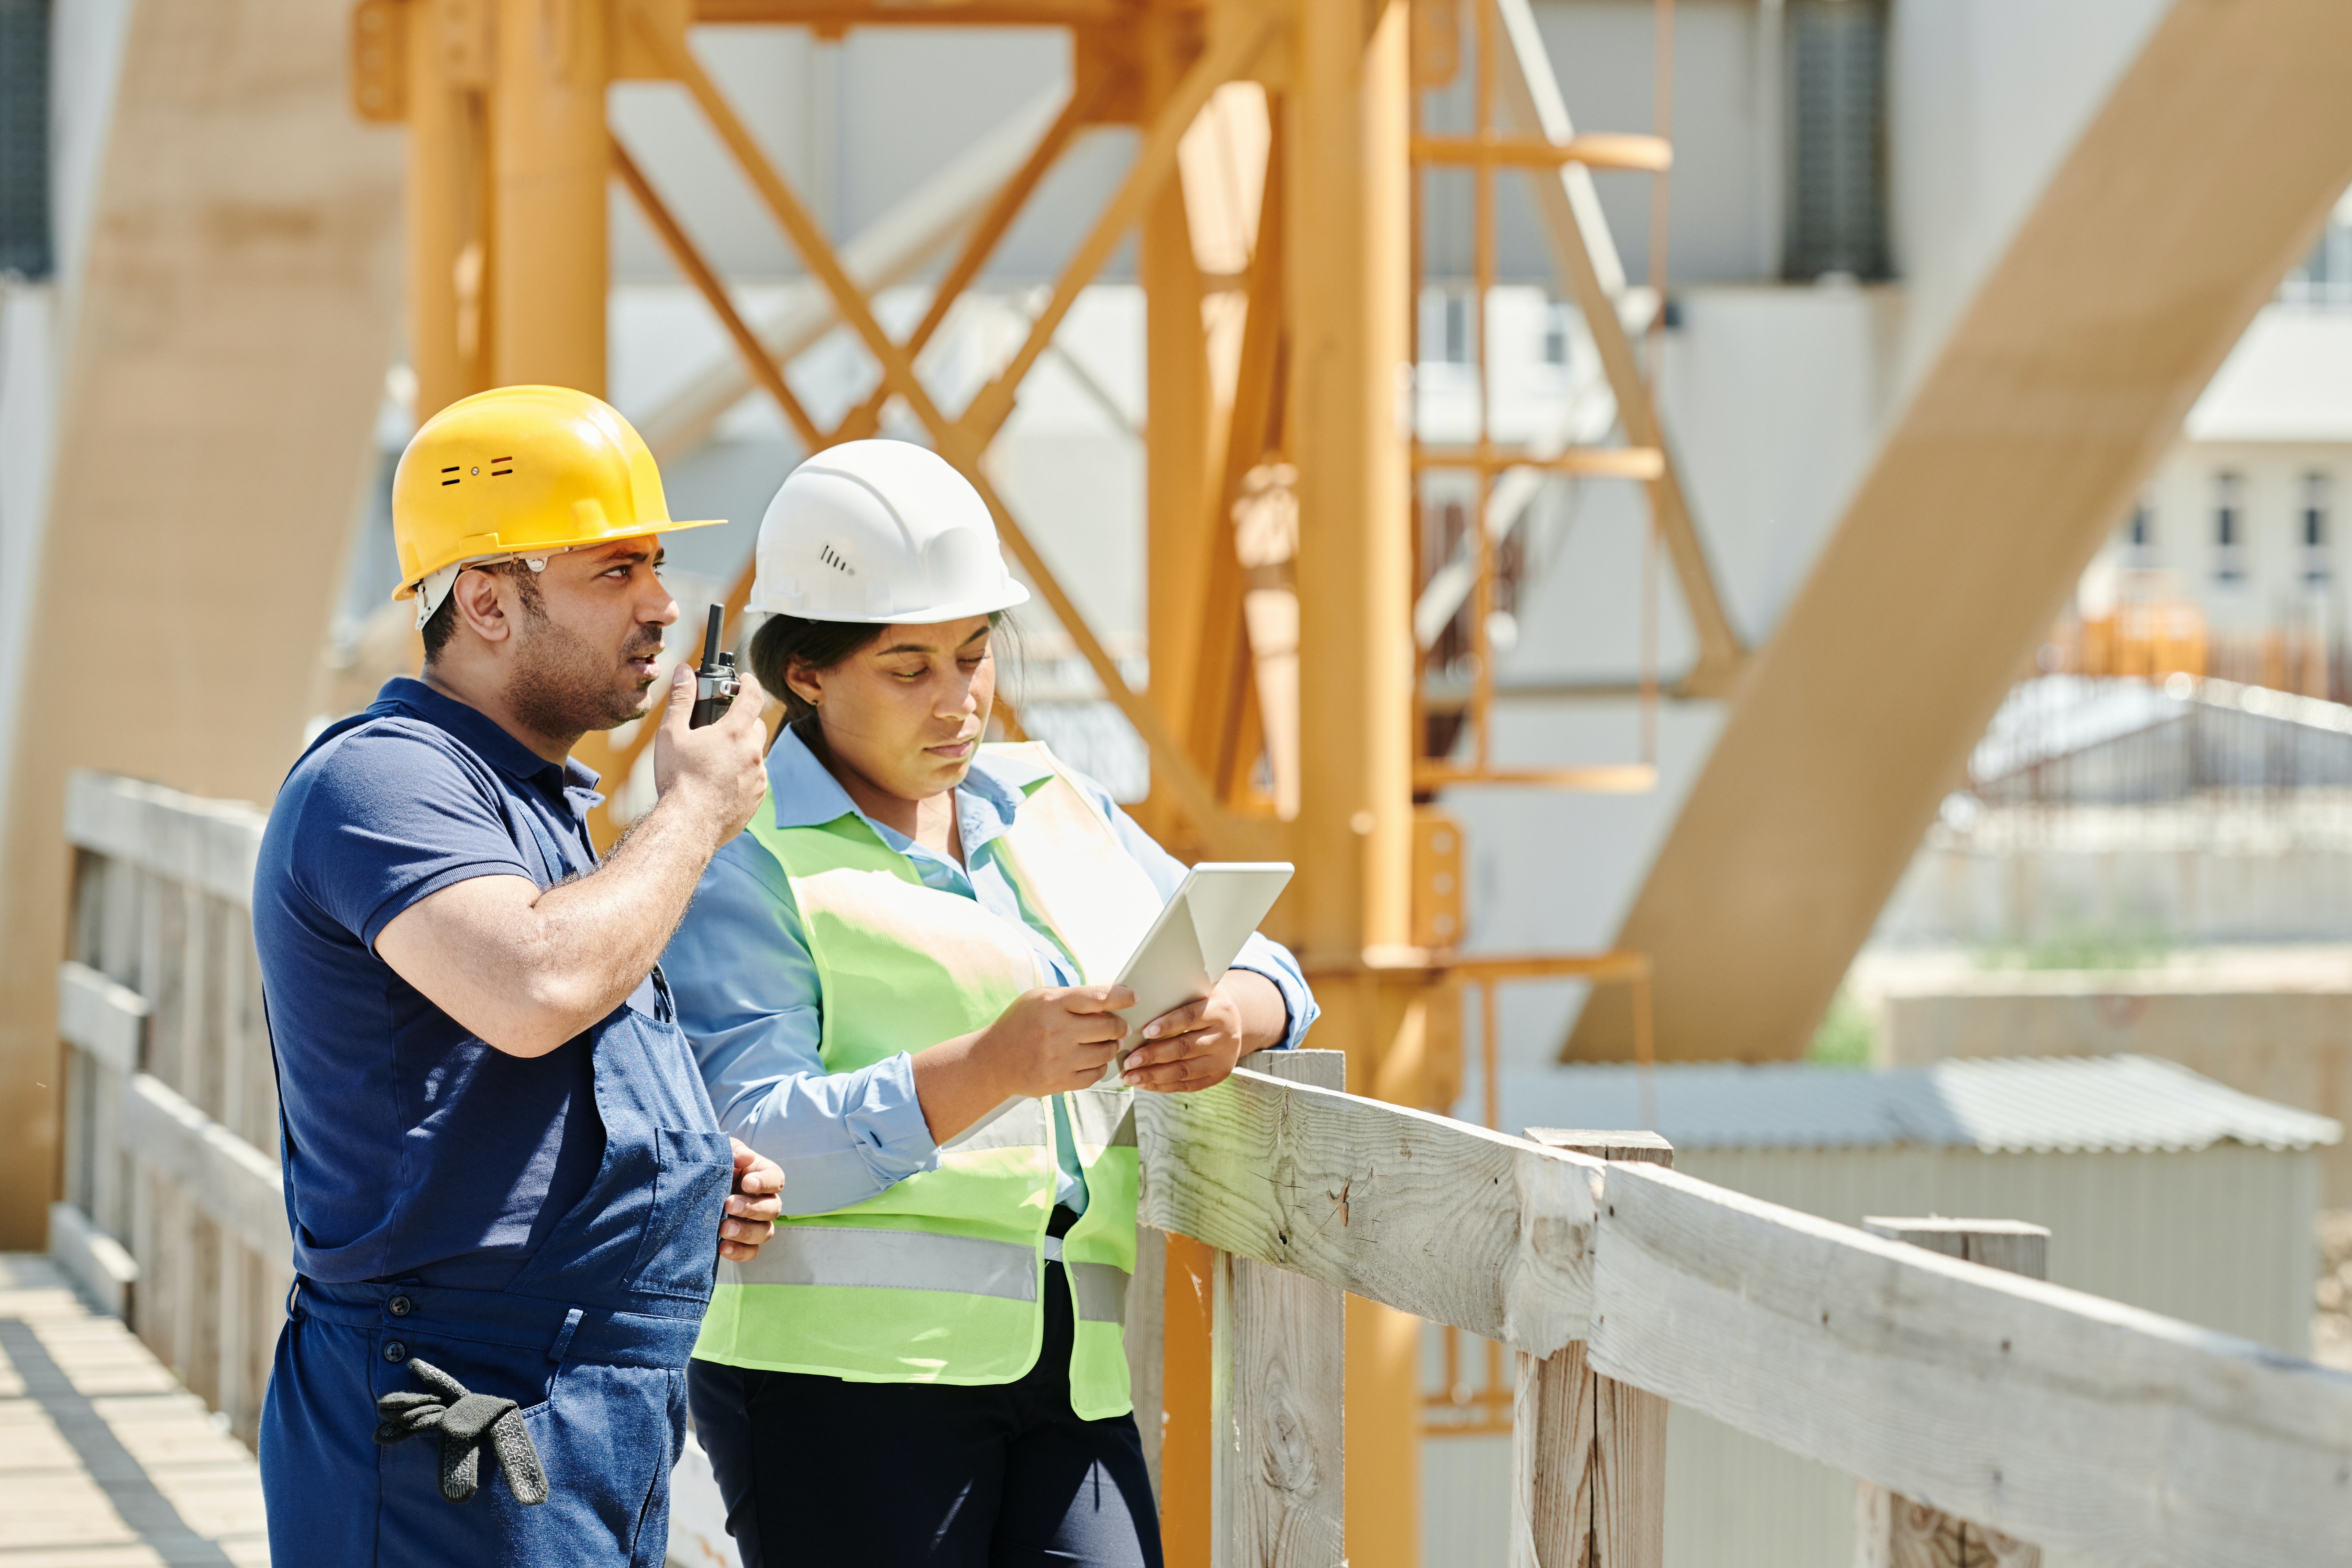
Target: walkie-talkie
{"x": 715, "y": 684}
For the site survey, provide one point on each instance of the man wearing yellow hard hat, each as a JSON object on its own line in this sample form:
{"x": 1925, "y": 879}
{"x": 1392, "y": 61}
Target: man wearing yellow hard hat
{"x": 507, "y": 1188}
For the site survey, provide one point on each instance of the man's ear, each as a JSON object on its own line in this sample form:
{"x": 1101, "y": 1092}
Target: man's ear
{"x": 479, "y": 605}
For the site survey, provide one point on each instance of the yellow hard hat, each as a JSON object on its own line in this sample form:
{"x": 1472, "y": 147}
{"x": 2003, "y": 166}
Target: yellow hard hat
{"x": 523, "y": 471}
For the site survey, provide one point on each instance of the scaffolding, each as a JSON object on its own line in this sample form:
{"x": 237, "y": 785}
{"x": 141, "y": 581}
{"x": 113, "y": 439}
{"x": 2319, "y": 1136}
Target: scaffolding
{"x": 1281, "y": 145}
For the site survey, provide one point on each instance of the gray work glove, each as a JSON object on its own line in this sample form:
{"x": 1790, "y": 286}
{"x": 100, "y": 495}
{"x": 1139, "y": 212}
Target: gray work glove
{"x": 463, "y": 1419}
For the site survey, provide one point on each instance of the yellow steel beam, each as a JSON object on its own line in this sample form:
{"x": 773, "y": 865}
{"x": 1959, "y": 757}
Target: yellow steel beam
{"x": 1229, "y": 52}
{"x": 838, "y": 14}
{"x": 706, "y": 282}
{"x": 1646, "y": 463}
{"x": 1517, "y": 59}
{"x": 1231, "y": 49}
{"x": 446, "y": 205}
{"x": 1346, "y": 219}
{"x": 1177, "y": 434}
{"x": 861, "y": 420}
{"x": 1603, "y": 778}
{"x": 979, "y": 245}
{"x": 1224, "y": 706}
{"x": 2202, "y": 178}
{"x": 1642, "y": 154}
{"x": 549, "y": 273}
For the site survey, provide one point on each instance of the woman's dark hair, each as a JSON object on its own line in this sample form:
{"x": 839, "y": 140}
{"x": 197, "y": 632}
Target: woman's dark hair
{"x": 819, "y": 644}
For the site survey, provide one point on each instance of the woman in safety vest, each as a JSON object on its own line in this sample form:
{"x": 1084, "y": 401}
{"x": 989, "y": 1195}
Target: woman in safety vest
{"x": 898, "y": 982}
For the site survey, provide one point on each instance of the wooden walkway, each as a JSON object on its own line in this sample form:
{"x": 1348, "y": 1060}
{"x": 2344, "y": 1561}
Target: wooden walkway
{"x": 105, "y": 1460}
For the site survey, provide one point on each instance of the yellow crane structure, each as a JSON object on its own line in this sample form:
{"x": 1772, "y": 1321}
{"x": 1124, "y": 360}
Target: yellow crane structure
{"x": 236, "y": 302}
{"x": 1279, "y": 276}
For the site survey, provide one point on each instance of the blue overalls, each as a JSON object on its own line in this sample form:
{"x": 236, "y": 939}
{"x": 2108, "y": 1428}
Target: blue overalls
{"x": 590, "y": 1337}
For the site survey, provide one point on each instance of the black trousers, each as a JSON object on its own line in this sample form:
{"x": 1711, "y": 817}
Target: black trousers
{"x": 821, "y": 1473}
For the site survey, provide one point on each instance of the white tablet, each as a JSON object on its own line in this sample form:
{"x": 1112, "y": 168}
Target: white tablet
{"x": 1199, "y": 933}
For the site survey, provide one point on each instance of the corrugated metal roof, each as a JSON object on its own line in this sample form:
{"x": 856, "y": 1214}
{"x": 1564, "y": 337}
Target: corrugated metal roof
{"x": 2067, "y": 1104}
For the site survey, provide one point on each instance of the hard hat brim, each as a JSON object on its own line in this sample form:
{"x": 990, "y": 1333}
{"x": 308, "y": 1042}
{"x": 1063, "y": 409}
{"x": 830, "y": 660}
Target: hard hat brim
{"x": 929, "y": 616}
{"x": 552, "y": 547}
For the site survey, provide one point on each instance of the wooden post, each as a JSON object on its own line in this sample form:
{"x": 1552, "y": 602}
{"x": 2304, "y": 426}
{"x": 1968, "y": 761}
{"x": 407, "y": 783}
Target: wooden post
{"x": 1146, "y": 1338}
{"x": 1277, "y": 1366}
{"x": 1588, "y": 1453}
{"x": 1891, "y": 1530}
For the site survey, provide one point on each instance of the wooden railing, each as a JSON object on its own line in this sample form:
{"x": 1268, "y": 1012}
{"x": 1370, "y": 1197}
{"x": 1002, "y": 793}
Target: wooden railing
{"x": 2049, "y": 1415}
{"x": 172, "y": 1215}
{"x": 2053, "y": 1416}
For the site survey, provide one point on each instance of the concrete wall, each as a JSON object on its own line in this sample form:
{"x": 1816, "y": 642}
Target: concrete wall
{"x": 2223, "y": 1237}
{"x": 2275, "y": 887}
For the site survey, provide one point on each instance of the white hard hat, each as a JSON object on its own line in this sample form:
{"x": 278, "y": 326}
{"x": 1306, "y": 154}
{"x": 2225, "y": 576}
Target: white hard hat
{"x": 879, "y": 532}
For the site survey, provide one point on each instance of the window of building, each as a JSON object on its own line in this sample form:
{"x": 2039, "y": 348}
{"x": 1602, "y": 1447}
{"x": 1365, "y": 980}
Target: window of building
{"x": 2316, "y": 496}
{"x": 2229, "y": 527}
{"x": 2139, "y": 537}
{"x": 24, "y": 136}
{"x": 2325, "y": 277}
{"x": 1836, "y": 221}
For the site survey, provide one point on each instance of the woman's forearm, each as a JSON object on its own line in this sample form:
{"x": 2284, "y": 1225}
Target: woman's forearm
{"x": 956, "y": 1085}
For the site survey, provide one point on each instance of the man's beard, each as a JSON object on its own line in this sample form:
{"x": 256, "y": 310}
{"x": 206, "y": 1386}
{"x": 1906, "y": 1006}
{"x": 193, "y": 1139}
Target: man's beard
{"x": 563, "y": 687}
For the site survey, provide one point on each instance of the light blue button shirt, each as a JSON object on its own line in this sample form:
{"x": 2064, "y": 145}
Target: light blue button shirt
{"x": 747, "y": 989}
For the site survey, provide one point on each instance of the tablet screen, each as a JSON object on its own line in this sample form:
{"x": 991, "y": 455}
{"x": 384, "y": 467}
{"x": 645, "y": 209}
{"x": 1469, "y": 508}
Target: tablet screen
{"x": 1196, "y": 939}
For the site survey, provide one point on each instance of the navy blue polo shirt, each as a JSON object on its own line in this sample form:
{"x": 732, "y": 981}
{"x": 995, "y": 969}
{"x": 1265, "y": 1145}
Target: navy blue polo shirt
{"x": 411, "y": 1149}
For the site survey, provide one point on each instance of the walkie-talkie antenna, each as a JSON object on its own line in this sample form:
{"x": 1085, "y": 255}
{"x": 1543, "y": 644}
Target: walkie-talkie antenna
{"x": 711, "y": 640}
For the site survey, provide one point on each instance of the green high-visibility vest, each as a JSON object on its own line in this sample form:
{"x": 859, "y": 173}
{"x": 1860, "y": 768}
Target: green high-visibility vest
{"x": 940, "y": 1278}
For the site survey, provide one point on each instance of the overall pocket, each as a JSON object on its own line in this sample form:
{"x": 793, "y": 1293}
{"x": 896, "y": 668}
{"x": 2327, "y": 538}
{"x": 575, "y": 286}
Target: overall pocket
{"x": 679, "y": 1253}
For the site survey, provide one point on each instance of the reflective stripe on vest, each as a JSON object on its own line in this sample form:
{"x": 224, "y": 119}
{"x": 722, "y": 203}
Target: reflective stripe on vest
{"x": 864, "y": 1257}
{"x": 936, "y": 1279}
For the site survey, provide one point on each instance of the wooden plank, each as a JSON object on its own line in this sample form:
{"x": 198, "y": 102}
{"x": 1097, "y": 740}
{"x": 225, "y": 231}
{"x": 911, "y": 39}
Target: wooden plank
{"x": 1432, "y": 1216}
{"x": 96, "y": 1260}
{"x": 1588, "y": 1453}
{"x": 1913, "y": 1535}
{"x": 77, "y": 1070}
{"x": 109, "y": 1165}
{"x": 1569, "y": 212}
{"x": 1278, "y": 1367}
{"x": 2049, "y": 1415}
{"x": 1891, "y": 1530}
{"x": 226, "y": 1178}
{"x": 1641, "y": 1148}
{"x": 1551, "y": 1434}
{"x": 2012, "y": 1246}
{"x": 1629, "y": 1476}
{"x": 1146, "y": 1340}
{"x": 103, "y": 1463}
{"x": 213, "y": 845}
{"x": 96, "y": 1016}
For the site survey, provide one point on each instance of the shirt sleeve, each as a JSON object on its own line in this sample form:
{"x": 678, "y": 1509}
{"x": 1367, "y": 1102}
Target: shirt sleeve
{"x": 391, "y": 815}
{"x": 1259, "y": 954}
{"x": 748, "y": 1000}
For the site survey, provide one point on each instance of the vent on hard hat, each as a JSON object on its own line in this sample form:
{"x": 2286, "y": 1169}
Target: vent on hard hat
{"x": 572, "y": 473}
